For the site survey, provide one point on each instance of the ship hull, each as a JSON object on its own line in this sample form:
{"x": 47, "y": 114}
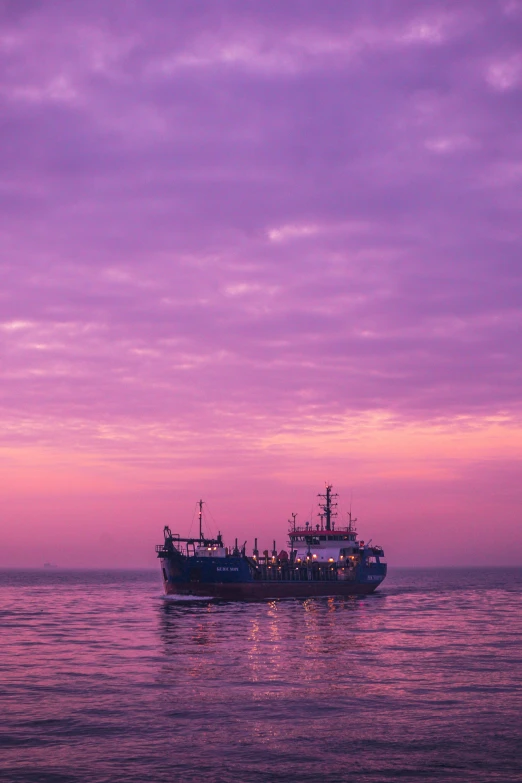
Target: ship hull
{"x": 256, "y": 591}
{"x": 236, "y": 578}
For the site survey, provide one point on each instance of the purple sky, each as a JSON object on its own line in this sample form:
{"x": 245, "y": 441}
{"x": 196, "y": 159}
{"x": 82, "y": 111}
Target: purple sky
{"x": 246, "y": 247}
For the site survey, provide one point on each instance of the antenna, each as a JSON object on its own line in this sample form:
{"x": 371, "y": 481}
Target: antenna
{"x": 350, "y": 518}
{"x": 328, "y": 506}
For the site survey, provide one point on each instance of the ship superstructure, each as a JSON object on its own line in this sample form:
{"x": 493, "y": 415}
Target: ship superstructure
{"x": 322, "y": 559}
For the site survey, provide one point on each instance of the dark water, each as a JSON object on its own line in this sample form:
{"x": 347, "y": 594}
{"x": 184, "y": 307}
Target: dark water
{"x": 104, "y": 680}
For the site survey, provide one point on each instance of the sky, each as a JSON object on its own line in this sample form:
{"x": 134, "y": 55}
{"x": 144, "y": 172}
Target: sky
{"x": 250, "y": 247}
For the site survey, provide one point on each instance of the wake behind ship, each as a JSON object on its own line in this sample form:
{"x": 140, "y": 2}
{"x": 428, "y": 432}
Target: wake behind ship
{"x": 323, "y": 560}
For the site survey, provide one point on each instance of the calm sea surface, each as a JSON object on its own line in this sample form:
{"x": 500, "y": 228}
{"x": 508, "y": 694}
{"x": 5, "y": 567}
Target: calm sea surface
{"x": 102, "y": 679}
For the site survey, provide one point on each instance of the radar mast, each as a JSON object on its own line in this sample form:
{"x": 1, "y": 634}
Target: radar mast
{"x": 328, "y": 506}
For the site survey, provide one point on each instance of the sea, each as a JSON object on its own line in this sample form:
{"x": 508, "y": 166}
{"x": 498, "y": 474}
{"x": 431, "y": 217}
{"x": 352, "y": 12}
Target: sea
{"x": 104, "y": 680}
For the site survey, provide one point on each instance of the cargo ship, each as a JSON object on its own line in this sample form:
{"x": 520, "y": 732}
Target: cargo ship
{"x": 323, "y": 559}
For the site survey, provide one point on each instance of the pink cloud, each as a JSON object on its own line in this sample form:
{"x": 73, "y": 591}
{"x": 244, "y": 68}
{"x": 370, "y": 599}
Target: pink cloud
{"x": 223, "y": 224}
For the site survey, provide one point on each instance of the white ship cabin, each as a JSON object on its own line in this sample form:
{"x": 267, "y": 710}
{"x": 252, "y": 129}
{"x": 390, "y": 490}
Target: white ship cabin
{"x": 324, "y": 546}
{"x": 210, "y": 550}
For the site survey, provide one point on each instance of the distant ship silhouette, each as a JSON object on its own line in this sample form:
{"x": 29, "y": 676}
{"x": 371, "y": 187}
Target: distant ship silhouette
{"x": 50, "y": 565}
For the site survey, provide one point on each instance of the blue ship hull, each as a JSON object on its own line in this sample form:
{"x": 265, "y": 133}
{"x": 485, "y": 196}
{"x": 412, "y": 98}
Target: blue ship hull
{"x": 238, "y": 578}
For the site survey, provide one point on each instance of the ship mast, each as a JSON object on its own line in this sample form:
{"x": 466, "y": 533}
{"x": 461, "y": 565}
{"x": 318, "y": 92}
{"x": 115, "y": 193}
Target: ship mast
{"x": 200, "y": 519}
{"x": 328, "y": 506}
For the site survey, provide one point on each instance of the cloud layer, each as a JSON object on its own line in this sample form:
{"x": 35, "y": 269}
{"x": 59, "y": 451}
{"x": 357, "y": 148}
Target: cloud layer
{"x": 225, "y": 226}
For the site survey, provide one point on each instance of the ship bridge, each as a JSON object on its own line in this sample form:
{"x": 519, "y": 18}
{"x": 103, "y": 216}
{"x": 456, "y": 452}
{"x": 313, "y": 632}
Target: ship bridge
{"x": 323, "y": 542}
{"x": 323, "y": 546}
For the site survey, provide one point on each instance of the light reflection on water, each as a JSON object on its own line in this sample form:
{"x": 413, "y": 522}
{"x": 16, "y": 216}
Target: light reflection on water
{"x": 105, "y": 680}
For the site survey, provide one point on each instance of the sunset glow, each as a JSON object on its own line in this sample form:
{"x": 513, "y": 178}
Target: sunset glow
{"x": 249, "y": 248}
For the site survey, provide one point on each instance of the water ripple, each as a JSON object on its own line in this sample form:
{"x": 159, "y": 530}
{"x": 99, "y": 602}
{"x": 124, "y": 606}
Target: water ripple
{"x": 105, "y": 681}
